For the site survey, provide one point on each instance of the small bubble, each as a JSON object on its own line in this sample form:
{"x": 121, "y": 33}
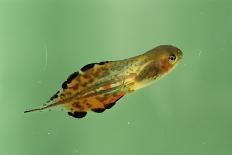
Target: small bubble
{"x": 128, "y": 123}
{"x": 203, "y": 143}
{"x": 202, "y": 13}
{"x": 39, "y": 82}
{"x": 49, "y": 133}
{"x": 199, "y": 53}
{"x": 76, "y": 150}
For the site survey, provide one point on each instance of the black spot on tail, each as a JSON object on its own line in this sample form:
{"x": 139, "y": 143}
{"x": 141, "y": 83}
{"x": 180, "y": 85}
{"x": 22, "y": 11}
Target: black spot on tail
{"x": 69, "y": 80}
{"x": 108, "y": 106}
{"x": 103, "y": 62}
{"x": 86, "y": 67}
{"x": 72, "y": 76}
{"x": 77, "y": 114}
{"x": 98, "y": 110}
{"x": 54, "y": 96}
{"x": 65, "y": 85}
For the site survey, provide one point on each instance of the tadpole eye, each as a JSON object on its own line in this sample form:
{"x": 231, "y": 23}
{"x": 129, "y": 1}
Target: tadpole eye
{"x": 172, "y": 57}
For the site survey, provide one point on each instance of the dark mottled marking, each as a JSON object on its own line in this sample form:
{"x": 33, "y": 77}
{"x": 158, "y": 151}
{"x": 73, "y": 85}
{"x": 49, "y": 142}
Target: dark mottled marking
{"x": 91, "y": 80}
{"x": 150, "y": 71}
{"x": 118, "y": 98}
{"x": 115, "y": 94}
{"x": 77, "y": 105}
{"x": 86, "y": 76}
{"x": 101, "y": 99}
{"x": 72, "y": 76}
{"x": 54, "y": 96}
{"x": 88, "y": 105}
{"x": 108, "y": 106}
{"x": 104, "y": 73}
{"x": 98, "y": 110}
{"x": 77, "y": 114}
{"x": 65, "y": 85}
{"x": 103, "y": 62}
{"x": 75, "y": 87}
{"x": 84, "y": 84}
{"x": 69, "y": 80}
{"x": 119, "y": 66}
{"x": 88, "y": 66}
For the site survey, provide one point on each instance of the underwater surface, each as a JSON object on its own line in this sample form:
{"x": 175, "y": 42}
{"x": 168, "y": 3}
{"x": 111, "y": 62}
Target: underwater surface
{"x": 188, "y": 112}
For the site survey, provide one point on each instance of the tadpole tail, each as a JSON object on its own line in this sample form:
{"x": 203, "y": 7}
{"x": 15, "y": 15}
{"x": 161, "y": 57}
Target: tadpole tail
{"x": 44, "y": 107}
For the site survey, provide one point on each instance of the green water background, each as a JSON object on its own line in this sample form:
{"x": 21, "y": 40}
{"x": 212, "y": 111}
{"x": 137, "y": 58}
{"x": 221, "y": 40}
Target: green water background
{"x": 188, "y": 112}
